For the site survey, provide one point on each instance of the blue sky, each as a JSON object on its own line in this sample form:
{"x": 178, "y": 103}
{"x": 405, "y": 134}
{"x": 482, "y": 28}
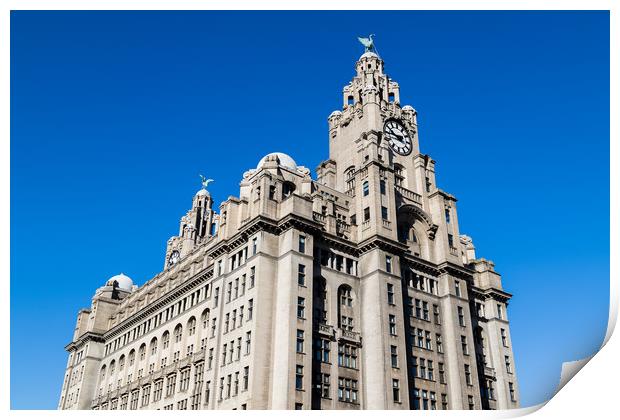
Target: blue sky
{"x": 114, "y": 114}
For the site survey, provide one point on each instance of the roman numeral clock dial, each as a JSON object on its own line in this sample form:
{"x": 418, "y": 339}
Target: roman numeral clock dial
{"x": 398, "y": 137}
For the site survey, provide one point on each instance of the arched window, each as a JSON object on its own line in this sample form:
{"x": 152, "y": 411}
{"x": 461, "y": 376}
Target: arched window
{"x": 153, "y": 346}
{"x": 287, "y": 189}
{"x": 399, "y": 175}
{"x": 191, "y": 326}
{"x": 365, "y": 188}
{"x": 178, "y": 333}
{"x": 112, "y": 366}
{"x": 165, "y": 340}
{"x": 344, "y": 296}
{"x": 132, "y": 357}
{"x": 204, "y": 318}
{"x": 142, "y": 351}
{"x": 349, "y": 177}
{"x": 102, "y": 373}
{"x": 121, "y": 363}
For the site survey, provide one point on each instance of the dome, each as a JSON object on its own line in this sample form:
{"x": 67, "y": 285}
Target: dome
{"x": 123, "y": 281}
{"x": 202, "y": 192}
{"x": 408, "y": 108}
{"x": 335, "y": 114}
{"x": 285, "y": 160}
{"x": 369, "y": 54}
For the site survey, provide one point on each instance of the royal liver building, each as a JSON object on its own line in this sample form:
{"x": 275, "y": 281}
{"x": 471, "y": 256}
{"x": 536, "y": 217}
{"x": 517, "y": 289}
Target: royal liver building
{"x": 352, "y": 291}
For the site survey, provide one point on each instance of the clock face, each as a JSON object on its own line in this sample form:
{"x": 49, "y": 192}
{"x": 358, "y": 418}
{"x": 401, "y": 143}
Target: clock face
{"x": 174, "y": 258}
{"x": 398, "y": 137}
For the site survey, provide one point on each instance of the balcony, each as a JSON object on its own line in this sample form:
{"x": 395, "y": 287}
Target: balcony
{"x": 350, "y": 336}
{"x": 325, "y": 329}
{"x": 489, "y": 372}
{"x": 318, "y": 217}
{"x": 415, "y": 197}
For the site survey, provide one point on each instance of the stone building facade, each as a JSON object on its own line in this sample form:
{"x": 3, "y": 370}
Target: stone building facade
{"x": 352, "y": 291}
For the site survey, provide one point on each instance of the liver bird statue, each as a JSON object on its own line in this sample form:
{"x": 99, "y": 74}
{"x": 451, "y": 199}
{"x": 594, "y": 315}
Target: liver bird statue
{"x": 368, "y": 43}
{"x": 205, "y": 181}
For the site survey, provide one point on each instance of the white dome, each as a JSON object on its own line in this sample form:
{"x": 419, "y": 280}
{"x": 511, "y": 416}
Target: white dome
{"x": 202, "y": 192}
{"x": 369, "y": 54}
{"x": 335, "y": 114}
{"x": 123, "y": 281}
{"x": 285, "y": 160}
{"x": 407, "y": 108}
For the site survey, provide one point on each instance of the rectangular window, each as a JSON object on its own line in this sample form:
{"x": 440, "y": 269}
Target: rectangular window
{"x": 504, "y": 338}
{"x": 382, "y": 186}
{"x": 366, "y": 214}
{"x": 470, "y": 402}
{"x": 323, "y": 384}
{"x": 216, "y": 297}
{"x": 461, "y": 316}
{"x": 254, "y": 245}
{"x": 299, "y": 406}
{"x": 511, "y": 388}
{"x": 500, "y": 315}
{"x": 394, "y": 356}
{"x": 301, "y": 275}
{"x": 444, "y": 401}
{"x": 300, "y": 341}
{"x": 384, "y": 213}
{"x": 301, "y": 307}
{"x": 347, "y": 356}
{"x": 447, "y": 212}
{"x": 321, "y": 350}
{"x": 250, "y": 309}
{"x": 252, "y": 275}
{"x": 457, "y": 288}
{"x": 347, "y": 390}
{"x": 388, "y": 263}
{"x": 365, "y": 188}
{"x": 396, "y": 390}
{"x": 442, "y": 373}
{"x": 464, "y": 346}
{"x": 468, "y": 375}
{"x": 390, "y": 294}
{"x": 392, "y": 324}
{"x": 425, "y": 313}
{"x": 508, "y": 366}
{"x": 299, "y": 377}
{"x": 302, "y": 244}
{"x": 436, "y": 315}
{"x": 246, "y": 378}
{"x": 450, "y": 240}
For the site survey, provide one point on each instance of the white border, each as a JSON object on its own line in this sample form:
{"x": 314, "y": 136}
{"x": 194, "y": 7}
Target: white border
{"x": 594, "y": 394}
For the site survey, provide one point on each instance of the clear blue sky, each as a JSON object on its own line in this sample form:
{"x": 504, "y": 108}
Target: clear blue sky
{"x": 113, "y": 115}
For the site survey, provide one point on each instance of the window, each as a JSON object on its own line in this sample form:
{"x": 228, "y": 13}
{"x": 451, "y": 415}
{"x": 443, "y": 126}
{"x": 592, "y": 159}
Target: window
{"x": 470, "y": 402}
{"x": 300, "y": 406}
{"x": 323, "y": 383}
{"x": 382, "y": 186}
{"x": 468, "y": 375}
{"x": 366, "y": 214}
{"x": 457, "y": 288}
{"x": 511, "y": 388}
{"x": 300, "y": 341}
{"x": 213, "y": 326}
{"x": 252, "y": 275}
{"x": 388, "y": 263}
{"x": 246, "y": 378}
{"x": 444, "y": 401}
{"x": 216, "y": 297}
{"x": 427, "y": 338}
{"x": 508, "y": 366}
{"x": 394, "y": 356}
{"x": 504, "y": 338}
{"x": 392, "y": 324}
{"x": 416, "y": 399}
{"x": 191, "y": 326}
{"x": 447, "y": 212}
{"x": 228, "y": 292}
{"x": 299, "y": 377}
{"x": 436, "y": 315}
{"x": 301, "y": 307}
{"x": 171, "y": 384}
{"x": 461, "y": 316}
{"x": 442, "y": 373}
{"x": 248, "y": 342}
{"x": 365, "y": 188}
{"x": 425, "y": 314}
{"x": 347, "y": 356}
{"x": 184, "y": 382}
{"x": 302, "y": 244}
{"x": 390, "y": 294}
{"x": 347, "y": 390}
{"x": 464, "y": 346}
{"x": 345, "y": 297}
{"x": 301, "y": 275}
{"x": 158, "y": 387}
{"x": 384, "y": 213}
{"x": 321, "y": 350}
{"x": 146, "y": 394}
{"x": 499, "y": 311}
{"x": 396, "y": 390}
{"x": 272, "y": 192}
{"x": 431, "y": 370}
{"x": 254, "y": 245}
{"x": 250, "y": 308}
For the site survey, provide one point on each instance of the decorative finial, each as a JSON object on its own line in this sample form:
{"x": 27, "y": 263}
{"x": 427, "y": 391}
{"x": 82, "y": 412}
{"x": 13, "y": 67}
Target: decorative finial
{"x": 368, "y": 43}
{"x": 205, "y": 182}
